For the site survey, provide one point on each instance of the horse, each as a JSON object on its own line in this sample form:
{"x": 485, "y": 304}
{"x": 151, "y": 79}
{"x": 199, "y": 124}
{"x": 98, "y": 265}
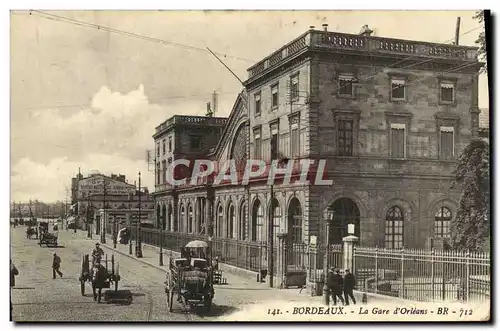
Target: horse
{"x": 30, "y": 232}
{"x": 99, "y": 276}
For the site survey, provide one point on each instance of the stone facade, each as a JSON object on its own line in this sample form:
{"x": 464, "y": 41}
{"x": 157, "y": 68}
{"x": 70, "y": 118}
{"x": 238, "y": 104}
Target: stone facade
{"x": 298, "y": 93}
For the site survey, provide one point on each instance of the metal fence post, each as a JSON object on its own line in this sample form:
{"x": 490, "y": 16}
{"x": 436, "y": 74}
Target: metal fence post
{"x": 432, "y": 273}
{"x": 376, "y": 270}
{"x": 403, "y": 272}
{"x": 467, "y": 274}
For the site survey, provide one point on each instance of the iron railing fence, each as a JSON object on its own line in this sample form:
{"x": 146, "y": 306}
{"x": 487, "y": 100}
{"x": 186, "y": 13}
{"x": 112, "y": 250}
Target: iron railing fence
{"x": 423, "y": 275}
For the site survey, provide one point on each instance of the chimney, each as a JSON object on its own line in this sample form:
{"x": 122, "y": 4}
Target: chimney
{"x": 366, "y": 31}
{"x": 214, "y": 103}
{"x": 325, "y": 27}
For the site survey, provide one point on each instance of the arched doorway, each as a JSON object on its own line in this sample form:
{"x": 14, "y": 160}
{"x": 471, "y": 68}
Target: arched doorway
{"x": 164, "y": 217}
{"x": 345, "y": 211}
{"x": 294, "y": 225}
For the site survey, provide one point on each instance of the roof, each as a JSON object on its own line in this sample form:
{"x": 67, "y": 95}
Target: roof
{"x": 484, "y": 118}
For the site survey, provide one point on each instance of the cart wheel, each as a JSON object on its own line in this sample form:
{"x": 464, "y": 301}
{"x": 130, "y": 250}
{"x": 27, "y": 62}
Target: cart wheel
{"x": 171, "y": 301}
{"x": 82, "y": 286}
{"x": 207, "y": 302}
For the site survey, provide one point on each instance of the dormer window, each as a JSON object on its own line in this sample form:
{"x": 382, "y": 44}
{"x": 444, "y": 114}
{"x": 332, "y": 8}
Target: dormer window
{"x": 398, "y": 89}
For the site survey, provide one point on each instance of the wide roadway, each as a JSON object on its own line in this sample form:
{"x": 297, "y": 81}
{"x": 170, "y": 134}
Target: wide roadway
{"x": 38, "y": 297}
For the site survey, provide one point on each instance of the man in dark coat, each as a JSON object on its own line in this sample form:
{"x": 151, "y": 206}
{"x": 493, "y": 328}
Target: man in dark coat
{"x": 56, "y": 264}
{"x": 13, "y": 273}
{"x": 349, "y": 282}
{"x": 334, "y": 283}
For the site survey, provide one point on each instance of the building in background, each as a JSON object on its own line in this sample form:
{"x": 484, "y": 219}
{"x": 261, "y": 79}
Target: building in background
{"x": 484, "y": 124}
{"x": 121, "y": 199}
{"x": 390, "y": 116}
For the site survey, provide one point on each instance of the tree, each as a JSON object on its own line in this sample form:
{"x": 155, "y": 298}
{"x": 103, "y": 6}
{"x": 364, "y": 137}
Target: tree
{"x": 471, "y": 227}
{"x": 481, "y": 41}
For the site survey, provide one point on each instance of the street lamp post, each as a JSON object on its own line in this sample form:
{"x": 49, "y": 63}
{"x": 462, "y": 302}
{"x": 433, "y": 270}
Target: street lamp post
{"x": 89, "y": 231}
{"x": 114, "y": 230}
{"x": 138, "y": 245}
{"x": 161, "y": 238}
{"x": 130, "y": 234}
{"x": 326, "y": 294}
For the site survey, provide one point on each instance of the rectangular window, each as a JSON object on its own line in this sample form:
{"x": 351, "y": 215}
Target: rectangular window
{"x": 345, "y": 87}
{"x": 164, "y": 172}
{"x": 164, "y": 147}
{"x": 295, "y": 141}
{"x": 257, "y": 104}
{"x": 394, "y": 234}
{"x": 257, "y": 149}
{"x": 274, "y": 142}
{"x": 398, "y": 141}
{"x": 447, "y": 143}
{"x": 274, "y": 96}
{"x": 294, "y": 87}
{"x": 195, "y": 142}
{"x": 158, "y": 173}
{"x": 170, "y": 144}
{"x": 447, "y": 92}
{"x": 398, "y": 89}
{"x": 344, "y": 138}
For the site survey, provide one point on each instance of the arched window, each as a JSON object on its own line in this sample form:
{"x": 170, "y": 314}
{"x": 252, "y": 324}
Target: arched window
{"x": 182, "y": 214}
{"x": 219, "y": 221}
{"x": 276, "y": 218}
{"x": 158, "y": 217}
{"x": 173, "y": 225}
{"x": 394, "y": 228}
{"x": 164, "y": 218}
{"x": 344, "y": 212}
{"x": 295, "y": 222}
{"x": 442, "y": 222}
{"x": 257, "y": 222}
{"x": 231, "y": 218}
{"x": 243, "y": 221}
{"x": 190, "y": 219}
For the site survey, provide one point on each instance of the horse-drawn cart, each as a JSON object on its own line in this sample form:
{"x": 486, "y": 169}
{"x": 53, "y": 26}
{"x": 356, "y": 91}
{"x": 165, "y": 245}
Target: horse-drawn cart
{"x": 191, "y": 277}
{"x": 100, "y": 276}
{"x": 45, "y": 237}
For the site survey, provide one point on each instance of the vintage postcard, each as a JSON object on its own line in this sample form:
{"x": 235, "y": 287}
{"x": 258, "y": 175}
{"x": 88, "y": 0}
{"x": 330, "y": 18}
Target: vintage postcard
{"x": 249, "y": 166}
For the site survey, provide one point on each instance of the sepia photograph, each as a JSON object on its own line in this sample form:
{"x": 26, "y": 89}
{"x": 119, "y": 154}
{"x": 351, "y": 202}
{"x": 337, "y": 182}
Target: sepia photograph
{"x": 250, "y": 165}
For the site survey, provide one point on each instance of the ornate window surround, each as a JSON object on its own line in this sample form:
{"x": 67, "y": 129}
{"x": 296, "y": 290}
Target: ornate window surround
{"x": 294, "y": 123}
{"x": 398, "y": 118}
{"x": 446, "y": 119}
{"x": 353, "y": 115}
{"x": 453, "y": 80}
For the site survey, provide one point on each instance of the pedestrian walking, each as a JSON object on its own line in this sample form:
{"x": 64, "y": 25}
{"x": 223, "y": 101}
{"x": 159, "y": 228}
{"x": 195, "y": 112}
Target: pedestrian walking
{"x": 334, "y": 283}
{"x": 349, "y": 282}
{"x": 13, "y": 273}
{"x": 56, "y": 265}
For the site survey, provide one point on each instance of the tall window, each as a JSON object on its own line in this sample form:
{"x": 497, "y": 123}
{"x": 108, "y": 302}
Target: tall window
{"x": 164, "y": 147}
{"x": 257, "y": 221}
{"x": 345, "y": 87}
{"x": 164, "y": 172}
{"x": 170, "y": 144}
{"x": 274, "y": 142}
{"x": 394, "y": 228}
{"x": 182, "y": 214}
{"x": 243, "y": 221}
{"x": 257, "y": 104}
{"x": 442, "y": 222}
{"x": 398, "y": 141}
{"x": 446, "y": 142}
{"x": 231, "y": 217}
{"x": 345, "y": 137}
{"x": 220, "y": 220}
{"x": 158, "y": 173}
{"x": 294, "y": 136}
{"x": 398, "y": 89}
{"x": 294, "y": 87}
{"x": 257, "y": 147}
{"x": 276, "y": 219}
{"x": 190, "y": 219}
{"x": 158, "y": 149}
{"x": 274, "y": 96}
{"x": 446, "y": 92}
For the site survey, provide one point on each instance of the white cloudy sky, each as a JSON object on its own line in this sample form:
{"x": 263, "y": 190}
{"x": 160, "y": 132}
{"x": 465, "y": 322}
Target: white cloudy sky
{"x": 82, "y": 97}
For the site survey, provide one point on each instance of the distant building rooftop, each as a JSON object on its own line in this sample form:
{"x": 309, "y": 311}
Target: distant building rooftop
{"x": 191, "y": 121}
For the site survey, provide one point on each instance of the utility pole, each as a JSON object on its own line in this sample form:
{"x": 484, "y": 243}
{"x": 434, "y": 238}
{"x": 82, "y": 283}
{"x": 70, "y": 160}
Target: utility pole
{"x": 89, "y": 231}
{"x": 103, "y": 230}
{"x": 270, "y": 239}
{"x": 138, "y": 245}
{"x": 457, "y": 31}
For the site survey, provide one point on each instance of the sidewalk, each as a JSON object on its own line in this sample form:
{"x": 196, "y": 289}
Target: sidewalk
{"x": 239, "y": 289}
